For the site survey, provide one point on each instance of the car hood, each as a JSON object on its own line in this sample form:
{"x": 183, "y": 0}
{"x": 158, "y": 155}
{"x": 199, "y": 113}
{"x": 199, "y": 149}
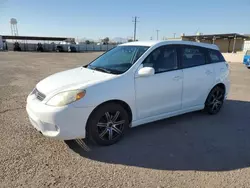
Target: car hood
{"x": 246, "y": 57}
{"x": 72, "y": 79}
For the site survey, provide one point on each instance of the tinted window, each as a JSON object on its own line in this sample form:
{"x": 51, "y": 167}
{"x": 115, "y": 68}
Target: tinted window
{"x": 162, "y": 59}
{"x": 215, "y": 56}
{"x": 192, "y": 56}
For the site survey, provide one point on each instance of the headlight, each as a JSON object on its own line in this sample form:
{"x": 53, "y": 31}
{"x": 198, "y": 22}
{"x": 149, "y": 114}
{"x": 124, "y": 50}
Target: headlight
{"x": 67, "y": 97}
{"x": 33, "y": 91}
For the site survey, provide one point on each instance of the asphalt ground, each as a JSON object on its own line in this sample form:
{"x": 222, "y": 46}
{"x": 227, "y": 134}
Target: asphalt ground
{"x": 191, "y": 150}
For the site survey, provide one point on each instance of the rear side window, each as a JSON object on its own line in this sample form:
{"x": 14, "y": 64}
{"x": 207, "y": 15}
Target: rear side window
{"x": 192, "y": 56}
{"x": 215, "y": 56}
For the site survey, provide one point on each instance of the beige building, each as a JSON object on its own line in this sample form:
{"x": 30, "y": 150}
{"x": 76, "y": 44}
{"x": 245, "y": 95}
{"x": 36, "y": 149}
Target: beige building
{"x": 230, "y": 42}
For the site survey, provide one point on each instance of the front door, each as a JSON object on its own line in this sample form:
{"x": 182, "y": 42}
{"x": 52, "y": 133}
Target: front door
{"x": 159, "y": 93}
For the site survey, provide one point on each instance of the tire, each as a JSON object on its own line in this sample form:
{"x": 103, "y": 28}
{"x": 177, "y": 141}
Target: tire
{"x": 107, "y": 124}
{"x": 215, "y": 100}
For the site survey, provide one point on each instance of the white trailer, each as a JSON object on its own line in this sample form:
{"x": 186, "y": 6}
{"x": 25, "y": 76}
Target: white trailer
{"x": 246, "y": 45}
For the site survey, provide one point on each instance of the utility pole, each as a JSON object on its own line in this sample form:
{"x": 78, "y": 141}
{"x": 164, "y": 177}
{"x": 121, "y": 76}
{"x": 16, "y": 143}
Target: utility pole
{"x": 157, "y": 33}
{"x": 135, "y": 25}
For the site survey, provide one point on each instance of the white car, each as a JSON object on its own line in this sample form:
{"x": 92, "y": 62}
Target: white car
{"x": 132, "y": 84}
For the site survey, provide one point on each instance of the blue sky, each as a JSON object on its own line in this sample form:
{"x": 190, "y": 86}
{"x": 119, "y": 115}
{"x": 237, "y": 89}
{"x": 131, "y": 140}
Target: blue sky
{"x": 113, "y": 18}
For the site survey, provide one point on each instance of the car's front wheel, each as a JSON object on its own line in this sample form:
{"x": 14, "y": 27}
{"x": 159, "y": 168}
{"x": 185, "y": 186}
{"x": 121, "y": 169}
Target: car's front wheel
{"x": 215, "y": 100}
{"x": 107, "y": 124}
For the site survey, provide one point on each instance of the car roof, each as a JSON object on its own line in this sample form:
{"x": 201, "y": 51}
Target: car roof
{"x": 152, "y": 43}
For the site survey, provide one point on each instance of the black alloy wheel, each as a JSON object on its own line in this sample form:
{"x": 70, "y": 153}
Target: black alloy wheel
{"x": 108, "y": 123}
{"x": 215, "y": 100}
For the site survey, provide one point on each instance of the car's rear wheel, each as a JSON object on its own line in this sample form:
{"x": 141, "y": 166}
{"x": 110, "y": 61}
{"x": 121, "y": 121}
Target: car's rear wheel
{"x": 107, "y": 124}
{"x": 215, "y": 100}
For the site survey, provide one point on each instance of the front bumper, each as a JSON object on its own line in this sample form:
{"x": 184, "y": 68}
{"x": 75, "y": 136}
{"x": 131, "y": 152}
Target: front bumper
{"x": 246, "y": 62}
{"x": 63, "y": 123}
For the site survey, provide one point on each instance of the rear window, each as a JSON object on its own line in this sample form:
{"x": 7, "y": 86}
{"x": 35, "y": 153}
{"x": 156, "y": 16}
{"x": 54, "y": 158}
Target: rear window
{"x": 216, "y": 56}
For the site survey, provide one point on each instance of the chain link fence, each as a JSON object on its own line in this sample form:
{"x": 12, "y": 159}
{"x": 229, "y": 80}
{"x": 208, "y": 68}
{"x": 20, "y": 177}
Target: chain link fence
{"x": 52, "y": 47}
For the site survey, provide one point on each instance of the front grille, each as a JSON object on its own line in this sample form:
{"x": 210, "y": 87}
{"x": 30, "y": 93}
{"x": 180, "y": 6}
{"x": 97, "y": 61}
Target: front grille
{"x": 40, "y": 96}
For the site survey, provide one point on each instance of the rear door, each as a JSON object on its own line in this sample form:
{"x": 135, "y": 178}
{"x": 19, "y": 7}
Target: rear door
{"x": 198, "y": 75}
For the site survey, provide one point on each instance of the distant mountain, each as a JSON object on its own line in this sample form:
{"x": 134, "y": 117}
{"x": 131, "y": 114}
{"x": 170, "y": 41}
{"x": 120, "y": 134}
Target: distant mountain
{"x": 119, "y": 39}
{"x": 84, "y": 39}
{"x": 116, "y": 39}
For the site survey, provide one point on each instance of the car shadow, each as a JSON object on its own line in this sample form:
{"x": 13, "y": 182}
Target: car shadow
{"x": 194, "y": 141}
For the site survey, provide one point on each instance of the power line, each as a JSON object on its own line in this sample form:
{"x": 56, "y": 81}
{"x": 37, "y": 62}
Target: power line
{"x": 135, "y": 20}
{"x": 157, "y": 33}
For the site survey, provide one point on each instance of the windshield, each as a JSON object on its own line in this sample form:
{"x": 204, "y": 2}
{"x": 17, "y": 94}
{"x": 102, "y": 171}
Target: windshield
{"x": 248, "y": 52}
{"x": 118, "y": 60}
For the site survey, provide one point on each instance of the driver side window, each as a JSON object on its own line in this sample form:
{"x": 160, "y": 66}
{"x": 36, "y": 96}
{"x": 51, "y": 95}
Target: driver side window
{"x": 162, "y": 59}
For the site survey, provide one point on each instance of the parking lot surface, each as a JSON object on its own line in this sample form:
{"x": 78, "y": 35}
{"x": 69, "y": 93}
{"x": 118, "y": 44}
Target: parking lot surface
{"x": 192, "y": 150}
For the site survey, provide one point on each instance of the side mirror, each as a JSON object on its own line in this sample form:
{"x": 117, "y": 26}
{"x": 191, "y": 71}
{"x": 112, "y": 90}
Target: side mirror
{"x": 146, "y": 71}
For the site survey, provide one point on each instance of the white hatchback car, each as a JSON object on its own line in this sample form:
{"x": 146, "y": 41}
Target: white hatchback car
{"x": 132, "y": 84}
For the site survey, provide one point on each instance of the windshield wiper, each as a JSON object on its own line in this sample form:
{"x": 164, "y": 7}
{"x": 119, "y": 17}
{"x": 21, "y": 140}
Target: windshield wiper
{"x": 101, "y": 69}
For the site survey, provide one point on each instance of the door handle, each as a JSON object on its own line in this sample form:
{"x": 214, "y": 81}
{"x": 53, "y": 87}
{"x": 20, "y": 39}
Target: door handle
{"x": 208, "y": 72}
{"x": 176, "y": 78}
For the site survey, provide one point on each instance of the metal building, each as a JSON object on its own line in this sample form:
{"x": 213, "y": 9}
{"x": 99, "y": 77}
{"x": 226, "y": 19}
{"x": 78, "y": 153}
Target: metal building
{"x": 229, "y": 42}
